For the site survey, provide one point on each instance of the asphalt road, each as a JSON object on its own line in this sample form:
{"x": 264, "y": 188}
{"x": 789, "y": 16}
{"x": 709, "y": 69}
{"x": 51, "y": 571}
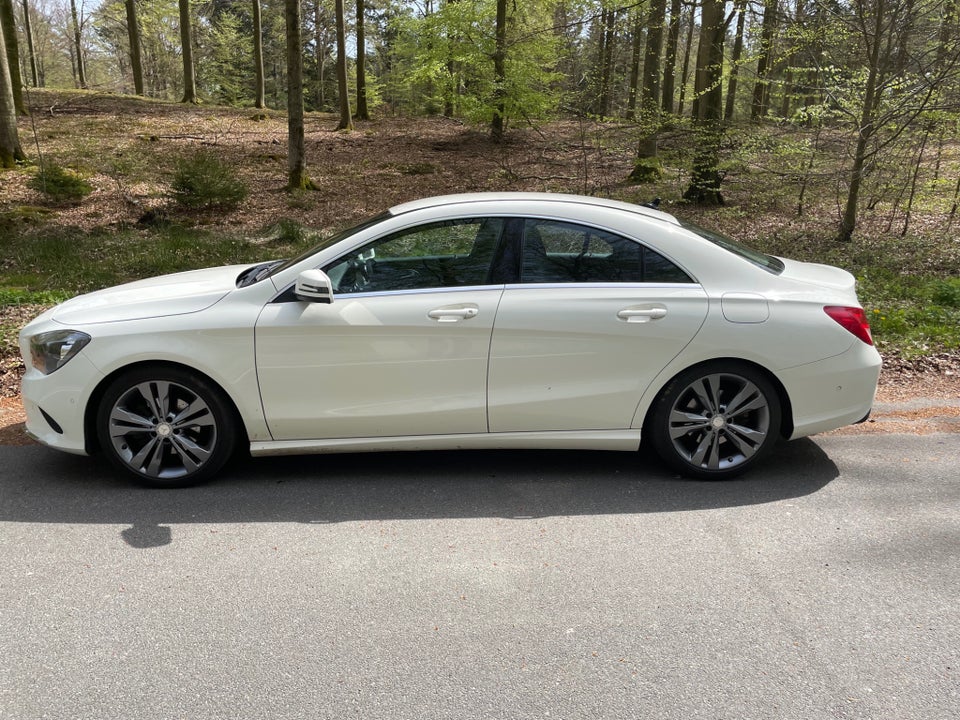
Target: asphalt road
{"x": 487, "y": 585}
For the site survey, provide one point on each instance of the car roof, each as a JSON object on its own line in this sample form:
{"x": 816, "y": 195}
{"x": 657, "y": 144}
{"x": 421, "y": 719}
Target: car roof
{"x": 531, "y": 197}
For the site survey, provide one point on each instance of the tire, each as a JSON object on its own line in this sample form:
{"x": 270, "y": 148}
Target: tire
{"x": 715, "y": 421}
{"x": 166, "y": 426}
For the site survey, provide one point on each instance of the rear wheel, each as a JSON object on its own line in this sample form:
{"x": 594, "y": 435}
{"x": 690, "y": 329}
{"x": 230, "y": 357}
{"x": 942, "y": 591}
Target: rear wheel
{"x": 168, "y": 427}
{"x": 715, "y": 421}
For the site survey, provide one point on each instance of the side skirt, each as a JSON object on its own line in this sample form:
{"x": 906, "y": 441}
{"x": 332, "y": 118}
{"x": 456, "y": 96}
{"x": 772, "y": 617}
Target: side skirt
{"x": 623, "y": 440}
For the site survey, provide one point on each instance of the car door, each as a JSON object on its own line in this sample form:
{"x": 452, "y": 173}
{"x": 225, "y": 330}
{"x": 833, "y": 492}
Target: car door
{"x": 593, "y": 320}
{"x": 401, "y": 351}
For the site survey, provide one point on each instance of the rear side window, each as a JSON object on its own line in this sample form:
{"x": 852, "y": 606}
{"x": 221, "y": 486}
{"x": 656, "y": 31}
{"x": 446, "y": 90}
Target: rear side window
{"x": 559, "y": 252}
{"x": 767, "y": 262}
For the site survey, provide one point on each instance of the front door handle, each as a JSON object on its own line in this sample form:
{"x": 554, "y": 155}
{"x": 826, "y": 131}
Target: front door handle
{"x": 642, "y": 314}
{"x": 454, "y": 314}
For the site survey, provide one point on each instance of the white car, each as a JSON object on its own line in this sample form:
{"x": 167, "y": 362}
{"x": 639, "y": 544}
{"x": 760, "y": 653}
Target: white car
{"x": 492, "y": 320}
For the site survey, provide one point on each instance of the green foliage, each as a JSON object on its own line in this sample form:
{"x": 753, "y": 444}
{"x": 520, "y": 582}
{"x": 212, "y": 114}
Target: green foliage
{"x": 203, "y": 180}
{"x": 444, "y": 61}
{"x": 61, "y": 185}
{"x": 912, "y": 313}
{"x": 947, "y": 293}
{"x": 51, "y": 263}
{"x": 226, "y": 72}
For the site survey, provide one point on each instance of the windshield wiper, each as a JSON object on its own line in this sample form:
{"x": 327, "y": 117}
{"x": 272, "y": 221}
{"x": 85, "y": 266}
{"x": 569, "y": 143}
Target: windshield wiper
{"x": 256, "y": 273}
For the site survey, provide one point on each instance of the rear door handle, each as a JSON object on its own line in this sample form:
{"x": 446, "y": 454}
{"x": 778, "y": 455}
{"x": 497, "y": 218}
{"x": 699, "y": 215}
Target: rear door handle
{"x": 642, "y": 314}
{"x": 454, "y": 314}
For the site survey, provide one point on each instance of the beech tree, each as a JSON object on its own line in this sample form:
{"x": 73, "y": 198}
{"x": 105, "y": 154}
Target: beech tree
{"x": 761, "y": 88}
{"x": 31, "y": 51}
{"x": 78, "y": 46}
{"x": 133, "y": 33}
{"x": 10, "y": 150}
{"x": 259, "y": 92}
{"x": 363, "y": 113}
{"x": 296, "y": 151}
{"x": 889, "y": 93}
{"x": 708, "y": 106}
{"x": 499, "y": 73}
{"x": 346, "y": 120}
{"x": 12, "y": 49}
{"x": 186, "y": 42}
{"x": 647, "y": 167}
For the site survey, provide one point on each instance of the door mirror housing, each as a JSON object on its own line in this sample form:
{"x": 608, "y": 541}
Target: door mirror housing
{"x": 314, "y": 286}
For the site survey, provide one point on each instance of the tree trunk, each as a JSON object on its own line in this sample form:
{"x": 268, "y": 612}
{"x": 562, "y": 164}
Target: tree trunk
{"x": 296, "y": 153}
{"x": 948, "y": 26}
{"x": 735, "y": 61}
{"x": 320, "y": 55}
{"x": 499, "y": 73}
{"x": 346, "y": 122}
{"x": 706, "y": 178}
{"x": 636, "y": 48}
{"x": 78, "y": 44}
{"x": 259, "y": 90}
{"x": 186, "y": 41}
{"x": 761, "y": 89}
{"x": 606, "y": 62}
{"x": 362, "y": 112}
{"x": 28, "y": 31}
{"x": 687, "y": 52}
{"x": 647, "y": 167}
{"x": 10, "y": 150}
{"x": 848, "y": 222}
{"x": 133, "y": 32}
{"x": 12, "y": 50}
{"x": 670, "y": 61}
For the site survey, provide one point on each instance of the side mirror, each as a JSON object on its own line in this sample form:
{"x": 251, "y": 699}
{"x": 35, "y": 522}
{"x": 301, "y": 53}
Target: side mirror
{"x": 314, "y": 286}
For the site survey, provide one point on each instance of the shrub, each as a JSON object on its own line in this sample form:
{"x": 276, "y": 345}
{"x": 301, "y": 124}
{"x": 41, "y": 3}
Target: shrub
{"x": 204, "y": 181}
{"x": 947, "y": 293}
{"x": 60, "y": 184}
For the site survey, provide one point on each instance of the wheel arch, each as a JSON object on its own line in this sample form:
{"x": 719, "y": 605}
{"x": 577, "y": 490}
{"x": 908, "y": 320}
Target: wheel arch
{"x": 786, "y": 407}
{"x": 91, "y": 439}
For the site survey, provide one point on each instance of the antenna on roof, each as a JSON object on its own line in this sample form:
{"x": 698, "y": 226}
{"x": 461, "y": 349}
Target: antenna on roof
{"x": 655, "y": 204}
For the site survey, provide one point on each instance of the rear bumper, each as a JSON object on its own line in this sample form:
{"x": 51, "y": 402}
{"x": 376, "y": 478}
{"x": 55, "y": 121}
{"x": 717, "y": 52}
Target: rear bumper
{"x": 832, "y": 393}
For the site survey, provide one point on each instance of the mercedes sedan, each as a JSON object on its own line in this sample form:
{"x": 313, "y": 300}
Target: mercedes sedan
{"x": 499, "y": 320}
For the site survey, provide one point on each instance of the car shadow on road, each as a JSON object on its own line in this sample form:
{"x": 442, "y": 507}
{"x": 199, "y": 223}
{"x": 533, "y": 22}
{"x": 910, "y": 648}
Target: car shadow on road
{"x": 40, "y": 485}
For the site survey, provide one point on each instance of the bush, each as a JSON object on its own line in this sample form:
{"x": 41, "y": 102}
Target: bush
{"x": 947, "y": 293}
{"x": 204, "y": 181}
{"x": 61, "y": 185}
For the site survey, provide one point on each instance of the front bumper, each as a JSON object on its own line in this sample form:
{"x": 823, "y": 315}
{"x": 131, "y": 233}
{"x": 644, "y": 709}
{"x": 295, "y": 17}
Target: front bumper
{"x": 55, "y": 404}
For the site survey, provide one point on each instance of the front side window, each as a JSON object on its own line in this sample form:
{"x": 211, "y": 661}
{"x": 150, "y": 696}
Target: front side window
{"x": 559, "y": 252}
{"x": 456, "y": 253}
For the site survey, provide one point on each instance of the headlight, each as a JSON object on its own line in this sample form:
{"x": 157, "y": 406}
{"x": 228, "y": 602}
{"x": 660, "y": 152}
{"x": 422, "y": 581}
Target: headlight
{"x": 50, "y": 351}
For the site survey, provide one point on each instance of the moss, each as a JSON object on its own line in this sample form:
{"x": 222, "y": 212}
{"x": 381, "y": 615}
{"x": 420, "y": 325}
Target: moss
{"x": 646, "y": 170}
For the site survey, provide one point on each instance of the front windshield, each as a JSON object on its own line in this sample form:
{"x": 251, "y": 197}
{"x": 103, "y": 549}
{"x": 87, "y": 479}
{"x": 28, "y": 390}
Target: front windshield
{"x": 327, "y": 242}
{"x": 767, "y": 262}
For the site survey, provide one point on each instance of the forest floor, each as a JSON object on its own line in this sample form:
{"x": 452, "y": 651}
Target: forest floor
{"x": 127, "y": 149}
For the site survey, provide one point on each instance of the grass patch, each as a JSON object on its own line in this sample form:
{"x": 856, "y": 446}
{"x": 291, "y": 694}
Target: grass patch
{"x": 912, "y": 314}
{"x": 60, "y": 185}
{"x": 58, "y": 263}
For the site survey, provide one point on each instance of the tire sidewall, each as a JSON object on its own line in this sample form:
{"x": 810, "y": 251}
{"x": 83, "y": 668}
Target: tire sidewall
{"x": 659, "y": 424}
{"x": 203, "y": 388}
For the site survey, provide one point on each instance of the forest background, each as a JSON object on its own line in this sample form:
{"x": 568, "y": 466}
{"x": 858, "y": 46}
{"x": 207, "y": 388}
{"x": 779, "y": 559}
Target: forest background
{"x": 144, "y": 137}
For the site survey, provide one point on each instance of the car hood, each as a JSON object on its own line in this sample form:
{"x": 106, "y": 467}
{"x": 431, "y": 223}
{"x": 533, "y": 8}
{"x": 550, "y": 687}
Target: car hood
{"x": 178, "y": 294}
{"x": 825, "y": 276}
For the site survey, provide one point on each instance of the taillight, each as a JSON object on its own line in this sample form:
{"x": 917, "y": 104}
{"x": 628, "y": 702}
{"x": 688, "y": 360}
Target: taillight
{"x": 853, "y": 319}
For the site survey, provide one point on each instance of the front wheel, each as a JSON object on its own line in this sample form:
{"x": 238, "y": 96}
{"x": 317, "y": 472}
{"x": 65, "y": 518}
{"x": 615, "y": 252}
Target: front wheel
{"x": 166, "y": 426}
{"x": 715, "y": 421}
